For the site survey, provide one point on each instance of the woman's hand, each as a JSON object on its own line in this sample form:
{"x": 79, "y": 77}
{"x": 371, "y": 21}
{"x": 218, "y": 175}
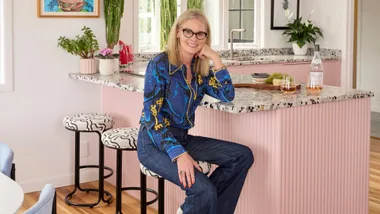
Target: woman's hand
{"x": 186, "y": 164}
{"x": 207, "y": 52}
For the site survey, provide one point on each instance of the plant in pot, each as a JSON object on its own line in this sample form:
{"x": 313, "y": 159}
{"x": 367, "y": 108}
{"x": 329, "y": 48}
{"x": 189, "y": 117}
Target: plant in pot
{"x": 106, "y": 61}
{"x": 84, "y": 46}
{"x": 301, "y": 34}
{"x": 113, "y": 12}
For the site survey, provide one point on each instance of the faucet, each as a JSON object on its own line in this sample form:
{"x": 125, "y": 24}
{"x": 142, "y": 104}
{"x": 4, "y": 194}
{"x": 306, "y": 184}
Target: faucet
{"x": 232, "y": 41}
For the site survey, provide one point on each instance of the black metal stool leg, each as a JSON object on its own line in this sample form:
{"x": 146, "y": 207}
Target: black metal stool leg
{"x": 101, "y": 167}
{"x": 119, "y": 172}
{"x": 161, "y": 196}
{"x": 76, "y": 170}
{"x": 101, "y": 173}
{"x": 143, "y": 193}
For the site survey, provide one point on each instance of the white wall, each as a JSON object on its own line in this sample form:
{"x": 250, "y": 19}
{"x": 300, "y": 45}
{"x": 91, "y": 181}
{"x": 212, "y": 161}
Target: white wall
{"x": 31, "y": 116}
{"x": 270, "y": 38}
{"x": 369, "y": 49}
{"x": 329, "y": 15}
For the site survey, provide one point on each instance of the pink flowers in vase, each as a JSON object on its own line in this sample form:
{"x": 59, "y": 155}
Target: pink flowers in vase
{"x": 106, "y": 53}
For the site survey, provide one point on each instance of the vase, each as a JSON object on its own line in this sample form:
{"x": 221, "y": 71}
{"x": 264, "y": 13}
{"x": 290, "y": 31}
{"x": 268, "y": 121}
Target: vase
{"x": 106, "y": 66}
{"x": 87, "y": 66}
{"x": 300, "y": 51}
{"x": 117, "y": 65}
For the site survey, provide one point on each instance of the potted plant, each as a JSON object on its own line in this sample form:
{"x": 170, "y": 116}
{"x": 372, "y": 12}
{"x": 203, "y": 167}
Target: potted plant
{"x": 113, "y": 12}
{"x": 84, "y": 46}
{"x": 301, "y": 33}
{"x": 106, "y": 62}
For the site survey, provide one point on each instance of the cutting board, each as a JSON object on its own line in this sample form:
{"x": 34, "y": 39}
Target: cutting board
{"x": 262, "y": 86}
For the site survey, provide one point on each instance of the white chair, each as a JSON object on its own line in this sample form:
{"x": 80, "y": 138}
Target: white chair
{"x": 7, "y": 166}
{"x": 46, "y": 203}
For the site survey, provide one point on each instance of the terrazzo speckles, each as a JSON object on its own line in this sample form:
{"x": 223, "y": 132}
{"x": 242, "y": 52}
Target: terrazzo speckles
{"x": 246, "y": 100}
{"x": 263, "y": 56}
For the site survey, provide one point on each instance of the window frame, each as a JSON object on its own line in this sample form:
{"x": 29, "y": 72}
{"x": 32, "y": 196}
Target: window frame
{"x": 240, "y": 10}
{"x": 6, "y": 44}
{"x": 256, "y": 32}
{"x": 223, "y": 30}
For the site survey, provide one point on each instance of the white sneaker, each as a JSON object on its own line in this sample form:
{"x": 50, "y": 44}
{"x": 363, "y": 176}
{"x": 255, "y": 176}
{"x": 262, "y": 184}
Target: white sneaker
{"x": 179, "y": 211}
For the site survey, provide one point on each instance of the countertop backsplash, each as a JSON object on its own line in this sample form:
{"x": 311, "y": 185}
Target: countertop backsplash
{"x": 329, "y": 53}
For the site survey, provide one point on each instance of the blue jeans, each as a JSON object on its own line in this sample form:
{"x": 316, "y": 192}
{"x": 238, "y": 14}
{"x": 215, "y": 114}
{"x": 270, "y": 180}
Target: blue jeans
{"x": 217, "y": 194}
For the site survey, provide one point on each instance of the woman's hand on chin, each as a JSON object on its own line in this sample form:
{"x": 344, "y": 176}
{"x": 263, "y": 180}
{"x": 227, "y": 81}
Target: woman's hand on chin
{"x": 207, "y": 52}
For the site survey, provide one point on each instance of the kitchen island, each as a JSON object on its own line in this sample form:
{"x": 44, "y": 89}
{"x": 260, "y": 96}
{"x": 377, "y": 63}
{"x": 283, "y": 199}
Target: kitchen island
{"x": 311, "y": 152}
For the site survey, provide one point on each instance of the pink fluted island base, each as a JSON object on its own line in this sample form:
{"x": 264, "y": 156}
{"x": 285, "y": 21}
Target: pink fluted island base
{"x": 308, "y": 159}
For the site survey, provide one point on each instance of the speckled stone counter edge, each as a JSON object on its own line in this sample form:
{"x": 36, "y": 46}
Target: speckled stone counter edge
{"x": 230, "y": 107}
{"x": 327, "y": 53}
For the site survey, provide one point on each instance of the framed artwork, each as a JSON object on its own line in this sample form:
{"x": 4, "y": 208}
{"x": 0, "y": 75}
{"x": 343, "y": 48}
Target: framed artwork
{"x": 68, "y": 8}
{"x": 280, "y": 10}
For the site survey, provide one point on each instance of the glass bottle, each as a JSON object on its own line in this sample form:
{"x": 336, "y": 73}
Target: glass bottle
{"x": 314, "y": 85}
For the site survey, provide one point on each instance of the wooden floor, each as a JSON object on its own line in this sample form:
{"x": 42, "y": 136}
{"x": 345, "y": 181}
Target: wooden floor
{"x": 374, "y": 178}
{"x": 132, "y": 206}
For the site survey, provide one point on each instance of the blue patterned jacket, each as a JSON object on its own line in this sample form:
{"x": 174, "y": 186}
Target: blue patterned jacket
{"x": 169, "y": 100}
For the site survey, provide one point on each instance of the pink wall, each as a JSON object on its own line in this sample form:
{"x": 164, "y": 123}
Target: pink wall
{"x": 312, "y": 159}
{"x": 300, "y": 71}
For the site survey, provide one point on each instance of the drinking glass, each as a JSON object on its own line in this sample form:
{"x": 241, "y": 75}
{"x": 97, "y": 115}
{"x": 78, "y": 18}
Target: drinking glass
{"x": 287, "y": 86}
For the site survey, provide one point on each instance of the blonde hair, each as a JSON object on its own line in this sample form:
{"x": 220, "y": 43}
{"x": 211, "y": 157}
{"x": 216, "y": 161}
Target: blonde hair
{"x": 201, "y": 66}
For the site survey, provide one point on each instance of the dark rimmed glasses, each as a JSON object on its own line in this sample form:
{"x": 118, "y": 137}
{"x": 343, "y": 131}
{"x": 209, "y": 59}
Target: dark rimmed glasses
{"x": 189, "y": 33}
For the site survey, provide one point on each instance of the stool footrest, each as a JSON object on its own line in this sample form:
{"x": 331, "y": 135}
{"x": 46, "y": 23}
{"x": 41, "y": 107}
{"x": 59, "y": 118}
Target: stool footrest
{"x": 97, "y": 166}
{"x": 147, "y": 189}
{"x": 69, "y": 196}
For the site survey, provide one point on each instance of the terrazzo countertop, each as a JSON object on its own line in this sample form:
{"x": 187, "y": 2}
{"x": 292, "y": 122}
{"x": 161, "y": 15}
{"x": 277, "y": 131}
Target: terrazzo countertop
{"x": 273, "y": 59}
{"x": 262, "y": 56}
{"x": 246, "y": 99}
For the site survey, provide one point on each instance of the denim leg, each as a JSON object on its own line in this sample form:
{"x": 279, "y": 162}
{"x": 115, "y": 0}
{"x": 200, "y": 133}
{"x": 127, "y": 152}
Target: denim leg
{"x": 201, "y": 197}
{"x": 233, "y": 160}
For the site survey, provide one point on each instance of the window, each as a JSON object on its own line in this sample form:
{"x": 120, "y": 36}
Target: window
{"x": 223, "y": 15}
{"x": 241, "y": 15}
{"x": 148, "y": 26}
{"x": 6, "y": 62}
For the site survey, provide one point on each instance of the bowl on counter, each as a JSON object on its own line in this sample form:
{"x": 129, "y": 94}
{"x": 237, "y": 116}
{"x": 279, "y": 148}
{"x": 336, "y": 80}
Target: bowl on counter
{"x": 259, "y": 78}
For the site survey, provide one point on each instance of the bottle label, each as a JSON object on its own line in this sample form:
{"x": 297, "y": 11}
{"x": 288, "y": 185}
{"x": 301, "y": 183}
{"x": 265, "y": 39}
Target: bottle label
{"x": 316, "y": 79}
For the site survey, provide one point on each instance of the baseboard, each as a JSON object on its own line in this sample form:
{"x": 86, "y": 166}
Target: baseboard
{"x": 58, "y": 181}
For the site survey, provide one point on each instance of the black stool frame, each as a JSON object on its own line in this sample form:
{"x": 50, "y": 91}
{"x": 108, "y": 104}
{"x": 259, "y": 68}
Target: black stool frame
{"x": 161, "y": 196}
{"x": 101, "y": 167}
{"x": 120, "y": 189}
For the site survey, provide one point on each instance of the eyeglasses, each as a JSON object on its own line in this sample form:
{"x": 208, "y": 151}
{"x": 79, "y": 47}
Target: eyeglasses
{"x": 189, "y": 33}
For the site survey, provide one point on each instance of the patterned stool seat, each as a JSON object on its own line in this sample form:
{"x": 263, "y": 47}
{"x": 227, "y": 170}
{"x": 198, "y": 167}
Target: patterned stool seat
{"x": 206, "y": 167}
{"x": 88, "y": 122}
{"x": 121, "y": 138}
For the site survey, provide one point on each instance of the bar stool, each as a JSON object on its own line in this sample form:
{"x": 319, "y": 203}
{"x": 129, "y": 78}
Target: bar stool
{"x": 124, "y": 139}
{"x": 89, "y": 122}
{"x": 206, "y": 167}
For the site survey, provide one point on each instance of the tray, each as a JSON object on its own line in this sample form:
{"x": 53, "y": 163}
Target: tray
{"x": 261, "y": 86}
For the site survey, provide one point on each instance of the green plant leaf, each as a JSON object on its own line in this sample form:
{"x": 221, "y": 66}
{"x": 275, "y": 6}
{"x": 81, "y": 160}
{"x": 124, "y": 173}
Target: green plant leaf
{"x": 82, "y": 45}
{"x": 302, "y": 32}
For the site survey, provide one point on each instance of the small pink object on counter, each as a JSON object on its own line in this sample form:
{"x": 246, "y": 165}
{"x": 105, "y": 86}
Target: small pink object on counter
{"x": 125, "y": 52}
{"x": 130, "y": 53}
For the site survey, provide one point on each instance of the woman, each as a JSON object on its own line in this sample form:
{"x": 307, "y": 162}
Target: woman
{"x": 175, "y": 83}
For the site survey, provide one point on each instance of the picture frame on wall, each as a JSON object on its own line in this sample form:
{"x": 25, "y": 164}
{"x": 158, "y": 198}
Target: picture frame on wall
{"x": 68, "y": 8}
{"x": 280, "y": 9}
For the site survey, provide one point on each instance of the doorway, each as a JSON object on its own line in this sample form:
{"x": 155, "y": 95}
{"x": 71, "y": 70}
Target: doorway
{"x": 367, "y": 55}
